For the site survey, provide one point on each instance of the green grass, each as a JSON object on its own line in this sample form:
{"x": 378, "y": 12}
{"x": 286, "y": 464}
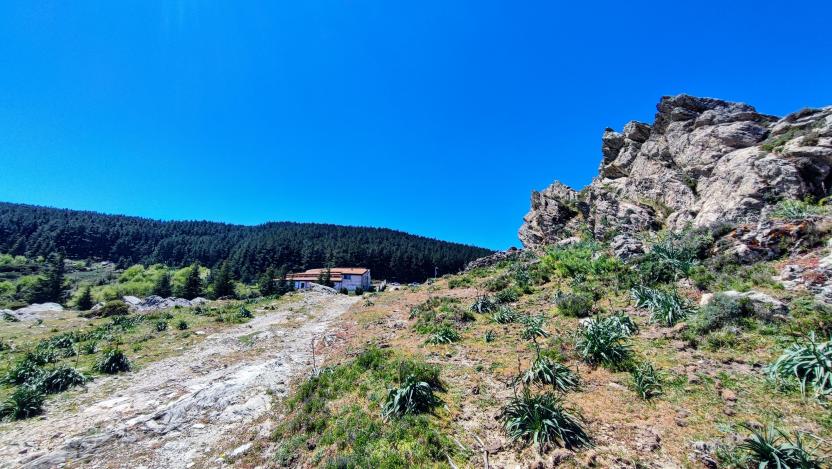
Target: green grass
{"x": 340, "y": 410}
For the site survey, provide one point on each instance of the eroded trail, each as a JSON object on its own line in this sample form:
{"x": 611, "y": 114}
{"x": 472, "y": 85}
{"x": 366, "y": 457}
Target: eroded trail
{"x": 176, "y": 412}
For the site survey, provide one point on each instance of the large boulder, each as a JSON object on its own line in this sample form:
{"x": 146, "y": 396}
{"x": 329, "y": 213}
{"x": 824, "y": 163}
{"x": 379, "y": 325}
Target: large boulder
{"x": 702, "y": 161}
{"x": 35, "y": 311}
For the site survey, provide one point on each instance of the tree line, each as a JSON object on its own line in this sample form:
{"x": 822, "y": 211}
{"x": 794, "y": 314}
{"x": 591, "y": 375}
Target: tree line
{"x": 246, "y": 252}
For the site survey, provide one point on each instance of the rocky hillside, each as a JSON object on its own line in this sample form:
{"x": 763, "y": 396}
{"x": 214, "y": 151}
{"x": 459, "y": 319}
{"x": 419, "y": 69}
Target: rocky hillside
{"x": 702, "y": 161}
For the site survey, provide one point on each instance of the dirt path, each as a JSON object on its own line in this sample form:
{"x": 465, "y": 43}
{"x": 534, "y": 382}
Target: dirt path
{"x": 177, "y": 412}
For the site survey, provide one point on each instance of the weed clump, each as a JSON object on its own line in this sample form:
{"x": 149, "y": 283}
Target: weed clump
{"x": 646, "y": 381}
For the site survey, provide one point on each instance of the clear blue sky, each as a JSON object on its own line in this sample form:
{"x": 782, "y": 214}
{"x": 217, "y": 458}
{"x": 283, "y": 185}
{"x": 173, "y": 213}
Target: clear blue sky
{"x": 433, "y": 117}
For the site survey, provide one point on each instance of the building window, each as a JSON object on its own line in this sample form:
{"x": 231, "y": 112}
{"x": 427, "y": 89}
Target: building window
{"x": 347, "y": 276}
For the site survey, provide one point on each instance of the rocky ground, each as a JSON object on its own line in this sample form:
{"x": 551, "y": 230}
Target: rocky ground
{"x": 184, "y": 410}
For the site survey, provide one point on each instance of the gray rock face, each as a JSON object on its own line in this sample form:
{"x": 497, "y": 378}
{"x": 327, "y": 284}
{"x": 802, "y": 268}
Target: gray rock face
{"x": 702, "y": 161}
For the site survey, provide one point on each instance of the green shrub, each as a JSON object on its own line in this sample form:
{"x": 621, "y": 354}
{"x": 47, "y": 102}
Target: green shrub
{"x": 412, "y": 397}
{"x": 773, "y": 448}
{"x": 721, "y": 311}
{"x": 444, "y": 334}
{"x": 26, "y": 401}
{"x": 544, "y": 420}
{"x": 581, "y": 260}
{"x": 459, "y": 282}
{"x": 810, "y": 363}
{"x": 61, "y": 378}
{"x": 546, "y": 371}
{"x": 646, "y": 381}
{"x": 796, "y": 210}
{"x": 372, "y": 358}
{"x": 183, "y": 324}
{"x": 111, "y": 308}
{"x": 509, "y": 295}
{"x": 498, "y": 283}
{"x": 359, "y": 291}
{"x": 603, "y": 342}
{"x": 674, "y": 255}
{"x": 420, "y": 371}
{"x": 808, "y": 315}
{"x": 575, "y": 305}
{"x": 161, "y": 325}
{"x": 113, "y": 361}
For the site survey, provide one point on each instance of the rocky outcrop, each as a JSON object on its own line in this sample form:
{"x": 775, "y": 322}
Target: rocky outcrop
{"x": 33, "y": 312}
{"x": 701, "y": 162}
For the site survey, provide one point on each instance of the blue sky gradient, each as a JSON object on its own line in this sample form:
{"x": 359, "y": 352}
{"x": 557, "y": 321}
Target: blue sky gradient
{"x": 432, "y": 117}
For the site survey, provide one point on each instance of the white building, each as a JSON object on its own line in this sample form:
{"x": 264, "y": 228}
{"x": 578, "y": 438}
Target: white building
{"x": 339, "y": 277}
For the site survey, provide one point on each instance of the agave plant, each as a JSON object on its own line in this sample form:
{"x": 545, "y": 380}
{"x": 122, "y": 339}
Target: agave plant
{"x": 666, "y": 307}
{"x": 26, "y": 401}
{"x": 602, "y": 342}
{"x": 444, "y": 334}
{"x": 546, "y": 371}
{"x": 483, "y": 304}
{"x": 113, "y": 361}
{"x": 534, "y": 327}
{"x": 773, "y": 448}
{"x": 489, "y": 336}
{"x": 646, "y": 381}
{"x": 60, "y": 379}
{"x": 505, "y": 315}
{"x": 412, "y": 397}
{"x": 623, "y": 322}
{"x": 810, "y": 362}
{"x": 544, "y": 421}
{"x": 244, "y": 313}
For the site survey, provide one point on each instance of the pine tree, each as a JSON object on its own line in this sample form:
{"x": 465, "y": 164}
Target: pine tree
{"x": 50, "y": 288}
{"x": 163, "y": 287}
{"x": 223, "y": 283}
{"x": 85, "y": 301}
{"x": 268, "y": 283}
{"x": 193, "y": 283}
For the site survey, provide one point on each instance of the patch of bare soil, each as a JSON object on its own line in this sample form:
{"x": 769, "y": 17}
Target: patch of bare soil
{"x": 178, "y": 412}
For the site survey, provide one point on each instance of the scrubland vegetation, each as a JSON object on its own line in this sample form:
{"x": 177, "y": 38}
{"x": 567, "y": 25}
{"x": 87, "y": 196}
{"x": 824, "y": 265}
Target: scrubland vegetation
{"x": 573, "y": 355}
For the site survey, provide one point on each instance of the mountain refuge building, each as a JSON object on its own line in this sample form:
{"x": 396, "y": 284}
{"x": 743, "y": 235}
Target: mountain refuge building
{"x": 339, "y": 277}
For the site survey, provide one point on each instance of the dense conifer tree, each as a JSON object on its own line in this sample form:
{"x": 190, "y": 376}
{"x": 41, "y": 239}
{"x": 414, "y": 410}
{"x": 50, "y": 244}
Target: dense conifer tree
{"x": 193, "y": 283}
{"x": 85, "y": 301}
{"x": 163, "y": 286}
